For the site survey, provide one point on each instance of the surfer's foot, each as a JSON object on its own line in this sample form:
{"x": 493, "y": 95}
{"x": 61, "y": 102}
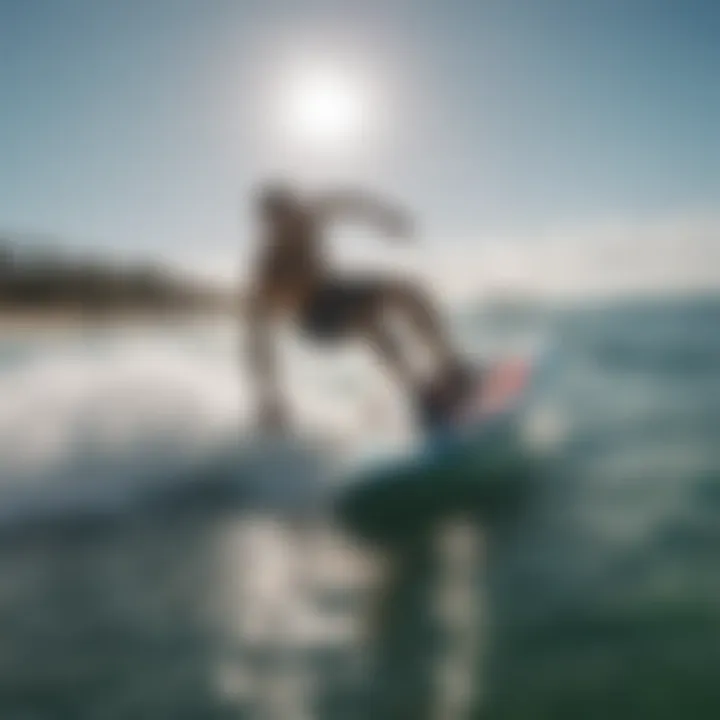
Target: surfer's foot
{"x": 440, "y": 400}
{"x": 460, "y": 378}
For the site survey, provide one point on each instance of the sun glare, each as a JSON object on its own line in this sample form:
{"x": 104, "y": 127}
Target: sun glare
{"x": 325, "y": 108}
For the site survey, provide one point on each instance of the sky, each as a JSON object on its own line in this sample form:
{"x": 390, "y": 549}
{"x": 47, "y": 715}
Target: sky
{"x": 138, "y": 127}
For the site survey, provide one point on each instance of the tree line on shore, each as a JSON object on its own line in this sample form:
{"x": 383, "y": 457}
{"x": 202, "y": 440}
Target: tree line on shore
{"x": 46, "y": 279}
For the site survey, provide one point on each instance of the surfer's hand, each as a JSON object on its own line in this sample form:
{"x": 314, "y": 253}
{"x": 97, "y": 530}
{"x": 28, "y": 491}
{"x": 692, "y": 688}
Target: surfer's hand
{"x": 273, "y": 417}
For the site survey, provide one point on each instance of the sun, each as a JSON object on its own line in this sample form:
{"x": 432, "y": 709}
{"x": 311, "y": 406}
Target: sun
{"x": 324, "y": 107}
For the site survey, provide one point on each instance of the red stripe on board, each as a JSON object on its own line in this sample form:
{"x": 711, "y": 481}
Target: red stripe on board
{"x": 501, "y": 384}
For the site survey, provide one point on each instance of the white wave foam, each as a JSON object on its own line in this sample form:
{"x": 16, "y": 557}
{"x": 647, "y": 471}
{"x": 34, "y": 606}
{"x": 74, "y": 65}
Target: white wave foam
{"x": 82, "y": 426}
{"x": 94, "y": 424}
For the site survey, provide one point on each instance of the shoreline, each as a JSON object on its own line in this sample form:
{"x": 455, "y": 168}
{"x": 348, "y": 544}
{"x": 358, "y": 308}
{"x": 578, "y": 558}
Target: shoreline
{"x": 13, "y": 321}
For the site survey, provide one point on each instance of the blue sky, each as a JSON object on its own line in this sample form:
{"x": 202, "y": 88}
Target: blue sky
{"x": 137, "y": 126}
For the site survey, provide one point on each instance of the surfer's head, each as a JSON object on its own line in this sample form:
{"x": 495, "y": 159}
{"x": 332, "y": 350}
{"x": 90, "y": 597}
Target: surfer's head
{"x": 277, "y": 201}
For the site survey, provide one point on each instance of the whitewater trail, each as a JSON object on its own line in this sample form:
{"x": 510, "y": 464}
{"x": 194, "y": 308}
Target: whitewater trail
{"x": 92, "y": 424}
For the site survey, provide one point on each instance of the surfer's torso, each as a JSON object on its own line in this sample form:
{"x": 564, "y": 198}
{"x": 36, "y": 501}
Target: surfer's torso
{"x": 291, "y": 263}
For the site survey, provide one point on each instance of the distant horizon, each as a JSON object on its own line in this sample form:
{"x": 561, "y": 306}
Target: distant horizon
{"x": 431, "y": 271}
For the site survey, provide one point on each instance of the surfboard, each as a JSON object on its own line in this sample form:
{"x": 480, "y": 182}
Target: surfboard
{"x": 460, "y": 465}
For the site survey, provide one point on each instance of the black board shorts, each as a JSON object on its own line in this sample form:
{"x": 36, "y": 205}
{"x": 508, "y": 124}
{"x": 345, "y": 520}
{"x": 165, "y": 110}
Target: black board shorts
{"x": 336, "y": 306}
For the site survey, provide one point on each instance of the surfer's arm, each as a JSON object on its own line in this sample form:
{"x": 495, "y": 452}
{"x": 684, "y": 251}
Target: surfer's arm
{"x": 355, "y": 205}
{"x": 261, "y": 358}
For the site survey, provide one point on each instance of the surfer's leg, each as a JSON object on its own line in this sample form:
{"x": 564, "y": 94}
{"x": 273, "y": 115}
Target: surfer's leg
{"x": 418, "y": 310}
{"x": 386, "y": 346}
{"x": 450, "y": 377}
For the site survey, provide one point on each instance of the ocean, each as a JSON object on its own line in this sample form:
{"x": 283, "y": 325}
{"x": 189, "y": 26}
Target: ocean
{"x": 156, "y": 562}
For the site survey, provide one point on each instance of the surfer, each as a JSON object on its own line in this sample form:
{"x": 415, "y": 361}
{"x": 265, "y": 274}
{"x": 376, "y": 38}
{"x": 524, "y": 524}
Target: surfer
{"x": 292, "y": 279}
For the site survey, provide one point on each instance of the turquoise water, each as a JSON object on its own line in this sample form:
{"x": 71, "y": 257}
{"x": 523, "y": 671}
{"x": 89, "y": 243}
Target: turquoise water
{"x": 153, "y": 563}
{"x": 609, "y": 579}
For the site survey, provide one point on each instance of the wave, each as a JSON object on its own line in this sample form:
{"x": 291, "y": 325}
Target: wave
{"x": 114, "y": 421}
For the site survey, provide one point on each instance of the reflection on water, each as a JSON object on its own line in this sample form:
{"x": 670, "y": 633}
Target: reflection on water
{"x": 187, "y": 615}
{"x": 291, "y": 595}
